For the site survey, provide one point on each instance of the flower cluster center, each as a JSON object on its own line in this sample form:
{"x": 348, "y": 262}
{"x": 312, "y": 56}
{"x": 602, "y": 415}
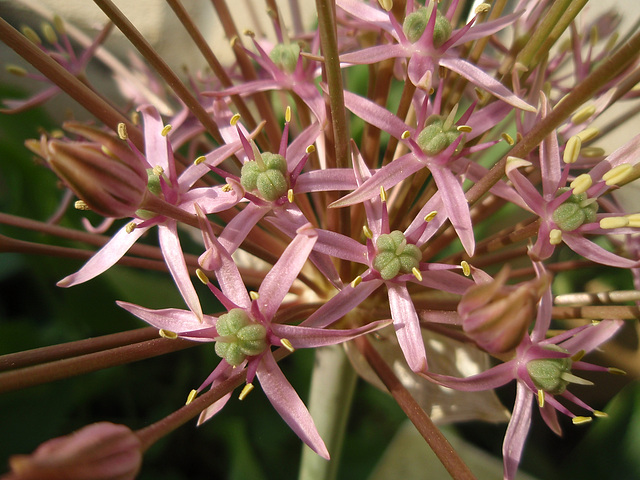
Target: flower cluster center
{"x": 239, "y": 337}
{"x": 437, "y": 135}
{"x": 575, "y": 211}
{"x": 267, "y": 174}
{"x": 395, "y": 255}
{"x": 415, "y": 24}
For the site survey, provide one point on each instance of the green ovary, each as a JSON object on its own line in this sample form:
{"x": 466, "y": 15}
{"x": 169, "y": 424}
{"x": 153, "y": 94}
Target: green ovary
{"x": 239, "y": 337}
{"x": 434, "y": 137}
{"x": 574, "y": 212}
{"x": 395, "y": 255}
{"x": 285, "y": 56}
{"x": 415, "y": 24}
{"x": 547, "y": 373}
{"x": 269, "y": 177}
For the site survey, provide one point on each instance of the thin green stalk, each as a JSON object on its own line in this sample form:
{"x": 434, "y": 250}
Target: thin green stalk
{"x": 332, "y": 387}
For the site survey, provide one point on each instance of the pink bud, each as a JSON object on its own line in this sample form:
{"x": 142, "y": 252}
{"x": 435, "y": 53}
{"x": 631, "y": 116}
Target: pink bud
{"x": 100, "y": 451}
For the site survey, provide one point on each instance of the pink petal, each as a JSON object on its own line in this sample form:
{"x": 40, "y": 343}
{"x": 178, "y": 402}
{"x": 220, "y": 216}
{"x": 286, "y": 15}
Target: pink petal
{"x": 517, "y": 431}
{"x": 407, "y": 326}
{"x": 307, "y": 337}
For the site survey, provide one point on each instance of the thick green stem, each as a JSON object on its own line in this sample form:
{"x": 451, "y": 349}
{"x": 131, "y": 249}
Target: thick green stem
{"x": 332, "y": 386}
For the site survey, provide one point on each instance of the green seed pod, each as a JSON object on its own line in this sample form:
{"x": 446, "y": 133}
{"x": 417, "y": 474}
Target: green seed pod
{"x": 269, "y": 176}
{"x": 433, "y": 139}
{"x": 568, "y": 216}
{"x": 240, "y": 337}
{"x": 395, "y": 255}
{"x": 415, "y": 24}
{"x": 547, "y": 373}
{"x": 272, "y": 185}
{"x": 249, "y": 175}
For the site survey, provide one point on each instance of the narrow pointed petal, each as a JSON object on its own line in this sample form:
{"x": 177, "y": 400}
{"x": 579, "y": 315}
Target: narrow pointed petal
{"x": 517, "y": 431}
{"x": 407, "y": 326}
{"x": 155, "y": 145}
{"x": 239, "y": 227}
{"x": 307, "y": 337}
{"x": 593, "y": 337}
{"x": 104, "y": 258}
{"x": 174, "y": 258}
{"x": 596, "y": 253}
{"x": 279, "y": 279}
{"x": 375, "y": 114}
{"x": 288, "y": 404}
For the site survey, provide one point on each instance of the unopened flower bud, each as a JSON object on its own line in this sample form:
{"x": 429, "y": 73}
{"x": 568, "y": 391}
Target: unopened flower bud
{"x": 106, "y": 175}
{"x": 497, "y": 316}
{"x": 100, "y": 451}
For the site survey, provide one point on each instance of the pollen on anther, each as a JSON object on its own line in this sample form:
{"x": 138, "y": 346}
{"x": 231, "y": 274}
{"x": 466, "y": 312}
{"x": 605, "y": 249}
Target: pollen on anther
{"x": 600, "y": 414}
{"x": 245, "y": 391}
{"x": 356, "y": 281}
{"x": 508, "y": 138}
{"x": 430, "y": 216}
{"x": 168, "y": 334}
{"x": 226, "y": 188}
{"x": 383, "y": 194}
{"x": 483, "y": 8}
{"x": 310, "y": 149}
{"x": 617, "y": 174}
{"x": 367, "y": 232}
{"x": 579, "y": 420}
{"x": 165, "y": 130}
{"x": 466, "y": 268}
{"x": 199, "y": 160}
{"x": 81, "y": 205}
{"x": 234, "y": 119}
{"x": 202, "y": 276}
{"x": 583, "y": 114}
{"x": 572, "y": 149}
{"x": 417, "y": 274}
{"x": 192, "y": 395}
{"x": 541, "y": 398}
{"x": 131, "y": 226}
{"x": 254, "y": 295}
{"x": 122, "y": 131}
{"x": 406, "y": 134}
{"x": 613, "y": 222}
{"x": 588, "y": 134}
{"x": 581, "y": 184}
{"x": 464, "y": 128}
{"x": 555, "y": 236}
{"x": 290, "y": 195}
{"x": 287, "y": 114}
{"x": 287, "y": 344}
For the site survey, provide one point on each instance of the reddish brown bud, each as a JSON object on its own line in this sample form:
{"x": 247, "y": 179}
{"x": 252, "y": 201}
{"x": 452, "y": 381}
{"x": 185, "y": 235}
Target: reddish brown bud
{"x": 100, "y": 451}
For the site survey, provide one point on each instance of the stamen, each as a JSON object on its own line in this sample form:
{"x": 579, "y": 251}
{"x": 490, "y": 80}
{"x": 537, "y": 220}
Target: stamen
{"x": 430, "y": 216}
{"x": 588, "y": 134}
{"x": 617, "y": 174}
{"x": 49, "y": 33}
{"x": 168, "y": 334}
{"x": 287, "y": 344}
{"x": 356, "y": 281}
{"x": 383, "y": 194}
{"x": 226, "y": 188}
{"x": 310, "y": 149}
{"x": 634, "y": 220}
{"x": 572, "y": 149}
{"x": 58, "y": 24}
{"x": 466, "y": 268}
{"x": 576, "y": 357}
{"x": 483, "y": 8}
{"x": 386, "y": 4}
{"x": 541, "y": 398}
{"x": 581, "y": 420}
{"x": 614, "y": 222}
{"x": 406, "y": 134}
{"x": 122, "y": 131}
{"x": 555, "y": 237}
{"x": 245, "y": 391}
{"x": 199, "y": 160}
{"x": 202, "y": 276}
{"x": 234, "y": 119}
{"x": 508, "y": 138}
{"x": 583, "y": 114}
{"x": 417, "y": 274}
{"x": 367, "y": 232}
{"x": 290, "y": 195}
{"x": 81, "y": 205}
{"x": 287, "y": 114}
{"x": 192, "y": 395}
{"x": 600, "y": 414}
{"x": 31, "y": 34}
{"x": 592, "y": 152}
{"x": 165, "y": 131}
{"x": 464, "y": 128}
{"x": 616, "y": 371}
{"x": 158, "y": 170}
{"x": 581, "y": 184}
{"x": 16, "y": 70}
{"x": 254, "y": 295}
{"x": 131, "y": 226}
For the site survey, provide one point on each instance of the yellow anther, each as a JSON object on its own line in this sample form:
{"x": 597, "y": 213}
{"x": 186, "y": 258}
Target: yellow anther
{"x": 245, "y": 391}
{"x": 480, "y": 94}
{"x": 555, "y": 237}
{"x": 581, "y": 184}
{"x": 287, "y": 344}
{"x": 234, "y": 119}
{"x": 122, "y": 131}
{"x": 248, "y": 33}
{"x": 572, "y": 149}
{"x": 135, "y": 118}
{"x": 233, "y": 40}
{"x": 165, "y": 130}
{"x": 508, "y": 138}
{"x": 58, "y": 24}
{"x": 483, "y": 8}
{"x": 199, "y": 160}
{"x": 202, "y": 276}
{"x": 417, "y": 274}
{"x": 386, "y": 4}
{"x": 131, "y": 226}
{"x": 516, "y": 162}
{"x": 583, "y": 114}
{"x": 617, "y": 174}
{"x": 81, "y": 205}
{"x": 617, "y": 371}
{"x": 406, "y": 134}
{"x": 31, "y": 34}
{"x": 356, "y": 281}
{"x": 57, "y": 133}
{"x": 576, "y": 357}
{"x": 290, "y": 195}
{"x": 430, "y": 216}
{"x": 592, "y": 152}
{"x": 158, "y": 170}
{"x": 16, "y": 70}
{"x": 464, "y": 128}
{"x": 107, "y": 152}
{"x": 226, "y": 188}
{"x": 168, "y": 334}
{"x": 367, "y": 232}
{"x": 49, "y": 33}
{"x": 254, "y": 295}
{"x": 287, "y": 114}
{"x": 192, "y": 395}
{"x": 580, "y": 420}
{"x": 466, "y": 268}
{"x": 588, "y": 134}
{"x": 634, "y": 220}
{"x": 383, "y": 194}
{"x": 600, "y": 414}
{"x": 614, "y": 222}
{"x": 310, "y": 149}
{"x": 541, "y": 398}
